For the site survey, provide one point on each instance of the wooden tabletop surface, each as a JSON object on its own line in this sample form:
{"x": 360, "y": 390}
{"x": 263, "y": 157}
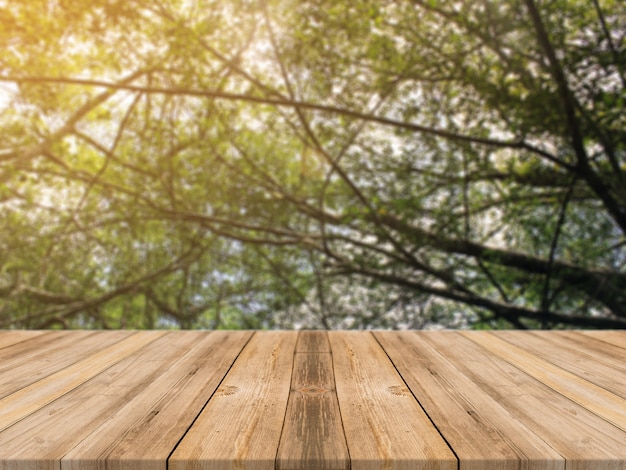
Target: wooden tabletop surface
{"x": 187, "y": 400}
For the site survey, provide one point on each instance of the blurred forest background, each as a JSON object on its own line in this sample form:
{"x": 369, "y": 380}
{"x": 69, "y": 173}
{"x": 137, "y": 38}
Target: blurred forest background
{"x": 312, "y": 164}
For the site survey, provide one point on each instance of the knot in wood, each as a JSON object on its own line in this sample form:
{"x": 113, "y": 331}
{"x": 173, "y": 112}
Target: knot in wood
{"x": 399, "y": 390}
{"x": 227, "y": 390}
{"x": 312, "y": 390}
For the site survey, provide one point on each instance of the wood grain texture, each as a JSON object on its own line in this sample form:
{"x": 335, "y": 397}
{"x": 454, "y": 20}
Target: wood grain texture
{"x": 30, "y": 361}
{"x": 29, "y": 399}
{"x": 385, "y": 426}
{"x": 143, "y": 432}
{"x": 483, "y": 434}
{"x": 313, "y": 342}
{"x": 616, "y": 338}
{"x": 241, "y": 425}
{"x": 312, "y": 400}
{"x": 312, "y": 436}
{"x": 603, "y": 351}
{"x": 55, "y": 429}
{"x": 8, "y": 338}
{"x": 584, "y": 439}
{"x": 597, "y": 362}
{"x": 589, "y": 395}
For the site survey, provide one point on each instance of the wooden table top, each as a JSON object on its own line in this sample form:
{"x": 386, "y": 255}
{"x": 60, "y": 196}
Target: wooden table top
{"x": 187, "y": 400}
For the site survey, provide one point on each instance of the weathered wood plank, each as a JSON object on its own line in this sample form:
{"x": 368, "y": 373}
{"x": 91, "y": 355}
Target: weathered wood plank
{"x": 385, "y": 427}
{"x": 578, "y": 357}
{"x": 49, "y": 433}
{"x": 29, "y": 399}
{"x": 483, "y": 434}
{"x": 616, "y": 338}
{"x": 10, "y": 337}
{"x": 603, "y": 352}
{"x": 142, "y": 434}
{"x": 241, "y": 425}
{"x": 21, "y": 353}
{"x": 30, "y": 361}
{"x": 584, "y": 439}
{"x": 127, "y": 400}
{"x": 312, "y": 436}
{"x": 590, "y": 396}
{"x": 313, "y": 342}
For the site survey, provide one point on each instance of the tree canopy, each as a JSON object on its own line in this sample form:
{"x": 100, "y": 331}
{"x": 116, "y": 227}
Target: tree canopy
{"x": 312, "y": 163}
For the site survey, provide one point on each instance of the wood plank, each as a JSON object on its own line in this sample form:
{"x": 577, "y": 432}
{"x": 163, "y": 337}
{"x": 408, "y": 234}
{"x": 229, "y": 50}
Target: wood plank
{"x": 497, "y": 398}
{"x": 48, "y": 434}
{"x": 385, "y": 427}
{"x": 584, "y": 439}
{"x": 483, "y": 434}
{"x": 23, "y": 352}
{"x": 616, "y": 338}
{"x": 578, "y": 357}
{"x": 29, "y": 399}
{"x": 603, "y": 352}
{"x": 144, "y": 432}
{"x": 313, "y": 434}
{"x": 241, "y": 425}
{"x": 590, "y": 396}
{"x": 11, "y": 337}
{"x": 313, "y": 342}
{"x": 33, "y": 360}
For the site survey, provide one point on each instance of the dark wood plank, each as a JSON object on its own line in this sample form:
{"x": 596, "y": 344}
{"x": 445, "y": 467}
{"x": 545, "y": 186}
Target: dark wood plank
{"x": 313, "y": 342}
{"x": 312, "y": 436}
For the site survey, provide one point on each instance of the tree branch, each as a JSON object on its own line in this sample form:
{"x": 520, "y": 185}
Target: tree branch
{"x": 605, "y": 286}
{"x": 510, "y": 312}
{"x": 282, "y": 102}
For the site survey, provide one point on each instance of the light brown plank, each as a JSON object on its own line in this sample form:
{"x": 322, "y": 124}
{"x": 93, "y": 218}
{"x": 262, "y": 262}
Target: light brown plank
{"x": 35, "y": 359}
{"x": 48, "y": 434}
{"x": 603, "y": 352}
{"x": 589, "y": 395}
{"x": 10, "y": 337}
{"x": 585, "y": 440}
{"x": 578, "y": 357}
{"x": 312, "y": 436}
{"x": 241, "y": 425}
{"x": 313, "y": 342}
{"x": 384, "y": 425}
{"x": 21, "y": 353}
{"x": 483, "y": 434}
{"x": 616, "y": 338}
{"x": 147, "y": 428}
{"x": 29, "y": 399}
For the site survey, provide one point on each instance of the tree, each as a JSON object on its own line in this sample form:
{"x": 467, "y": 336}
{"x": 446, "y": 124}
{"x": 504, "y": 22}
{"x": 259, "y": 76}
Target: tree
{"x": 313, "y": 163}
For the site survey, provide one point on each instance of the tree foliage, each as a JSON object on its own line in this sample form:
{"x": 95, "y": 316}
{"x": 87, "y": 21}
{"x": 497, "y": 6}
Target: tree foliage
{"x": 281, "y": 163}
